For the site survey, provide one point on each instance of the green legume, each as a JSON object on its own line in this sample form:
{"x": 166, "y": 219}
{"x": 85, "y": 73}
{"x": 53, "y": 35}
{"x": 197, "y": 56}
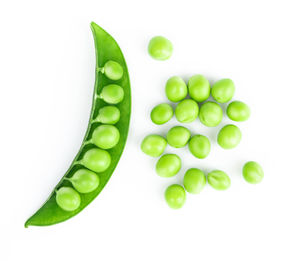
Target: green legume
{"x": 223, "y": 90}
{"x": 218, "y": 179}
{"x": 112, "y": 70}
{"x": 176, "y": 89}
{"x": 106, "y": 136}
{"x": 199, "y": 146}
{"x": 194, "y": 181}
{"x": 253, "y": 172}
{"x": 112, "y": 94}
{"x": 96, "y": 160}
{"x": 229, "y": 136}
{"x": 160, "y": 48}
{"x": 161, "y": 113}
{"x": 175, "y": 196}
{"x": 67, "y": 199}
{"x": 108, "y": 115}
{"x": 199, "y": 88}
{"x": 168, "y": 165}
{"x": 238, "y": 111}
{"x": 210, "y": 114}
{"x": 84, "y": 181}
{"x": 187, "y": 111}
{"x": 178, "y": 136}
{"x": 154, "y": 145}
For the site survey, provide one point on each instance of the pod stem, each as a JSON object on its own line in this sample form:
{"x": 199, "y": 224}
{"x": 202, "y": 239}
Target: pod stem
{"x": 100, "y": 69}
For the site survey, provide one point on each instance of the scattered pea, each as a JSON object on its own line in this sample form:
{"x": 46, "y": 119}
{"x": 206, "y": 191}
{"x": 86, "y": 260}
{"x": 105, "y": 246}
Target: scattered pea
{"x": 218, "y": 179}
{"x": 108, "y": 115}
{"x": 106, "y": 136}
{"x": 194, "y": 181}
{"x": 229, "y": 136}
{"x": 97, "y": 160}
{"x": 187, "y": 111}
{"x": 112, "y": 70}
{"x": 210, "y": 114}
{"x": 154, "y": 145}
{"x": 68, "y": 199}
{"x": 176, "y": 89}
{"x": 168, "y": 165}
{"x": 161, "y": 113}
{"x": 199, "y": 146}
{"x": 160, "y": 48}
{"x": 175, "y": 196}
{"x": 238, "y": 111}
{"x": 112, "y": 94}
{"x": 223, "y": 90}
{"x": 178, "y": 136}
{"x": 253, "y": 172}
{"x": 199, "y": 88}
{"x": 84, "y": 181}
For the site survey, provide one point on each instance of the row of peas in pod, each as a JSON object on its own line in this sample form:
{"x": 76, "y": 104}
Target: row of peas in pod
{"x": 105, "y": 136}
{"x": 210, "y": 114}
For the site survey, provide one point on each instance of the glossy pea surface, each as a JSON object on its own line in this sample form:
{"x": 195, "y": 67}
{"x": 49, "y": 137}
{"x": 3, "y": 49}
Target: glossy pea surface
{"x": 113, "y": 70}
{"x": 223, "y": 90}
{"x": 112, "y": 94}
{"x": 210, "y": 114}
{"x": 106, "y": 136}
{"x": 229, "y": 136}
{"x": 199, "y": 88}
{"x": 109, "y": 115}
{"x": 168, "y": 165}
{"x": 154, "y": 145}
{"x": 160, "y": 48}
{"x": 253, "y": 172}
{"x": 194, "y": 180}
{"x": 97, "y": 160}
{"x": 219, "y": 180}
{"x": 67, "y": 199}
{"x": 187, "y": 111}
{"x": 161, "y": 113}
{"x": 199, "y": 146}
{"x": 178, "y": 136}
{"x": 176, "y": 89}
{"x": 175, "y": 196}
{"x": 84, "y": 181}
{"x": 238, "y": 111}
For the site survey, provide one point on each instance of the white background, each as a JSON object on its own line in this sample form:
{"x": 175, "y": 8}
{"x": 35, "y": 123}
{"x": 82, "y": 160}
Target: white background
{"x": 47, "y": 75}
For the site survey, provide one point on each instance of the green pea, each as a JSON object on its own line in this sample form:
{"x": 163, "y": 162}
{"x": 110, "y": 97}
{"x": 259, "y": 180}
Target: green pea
{"x": 187, "y": 111}
{"x": 199, "y": 146}
{"x": 238, "y": 111}
{"x": 218, "y": 179}
{"x": 178, "y": 136}
{"x": 253, "y": 172}
{"x": 112, "y": 94}
{"x": 96, "y": 160}
{"x": 67, "y": 199}
{"x": 229, "y": 136}
{"x": 154, "y": 145}
{"x": 175, "y": 196}
{"x": 199, "y": 88}
{"x": 210, "y": 114}
{"x": 160, "y": 48}
{"x": 194, "y": 181}
{"x": 223, "y": 90}
{"x": 112, "y": 70}
{"x": 161, "y": 113}
{"x": 84, "y": 181}
{"x": 176, "y": 89}
{"x": 108, "y": 115}
{"x": 106, "y": 136}
{"x": 168, "y": 165}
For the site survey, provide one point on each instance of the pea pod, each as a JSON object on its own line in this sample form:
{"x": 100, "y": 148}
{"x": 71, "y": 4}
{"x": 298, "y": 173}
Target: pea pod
{"x": 106, "y": 50}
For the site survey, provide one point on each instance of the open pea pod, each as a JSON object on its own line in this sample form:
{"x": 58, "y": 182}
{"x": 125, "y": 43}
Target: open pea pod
{"x": 106, "y": 50}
